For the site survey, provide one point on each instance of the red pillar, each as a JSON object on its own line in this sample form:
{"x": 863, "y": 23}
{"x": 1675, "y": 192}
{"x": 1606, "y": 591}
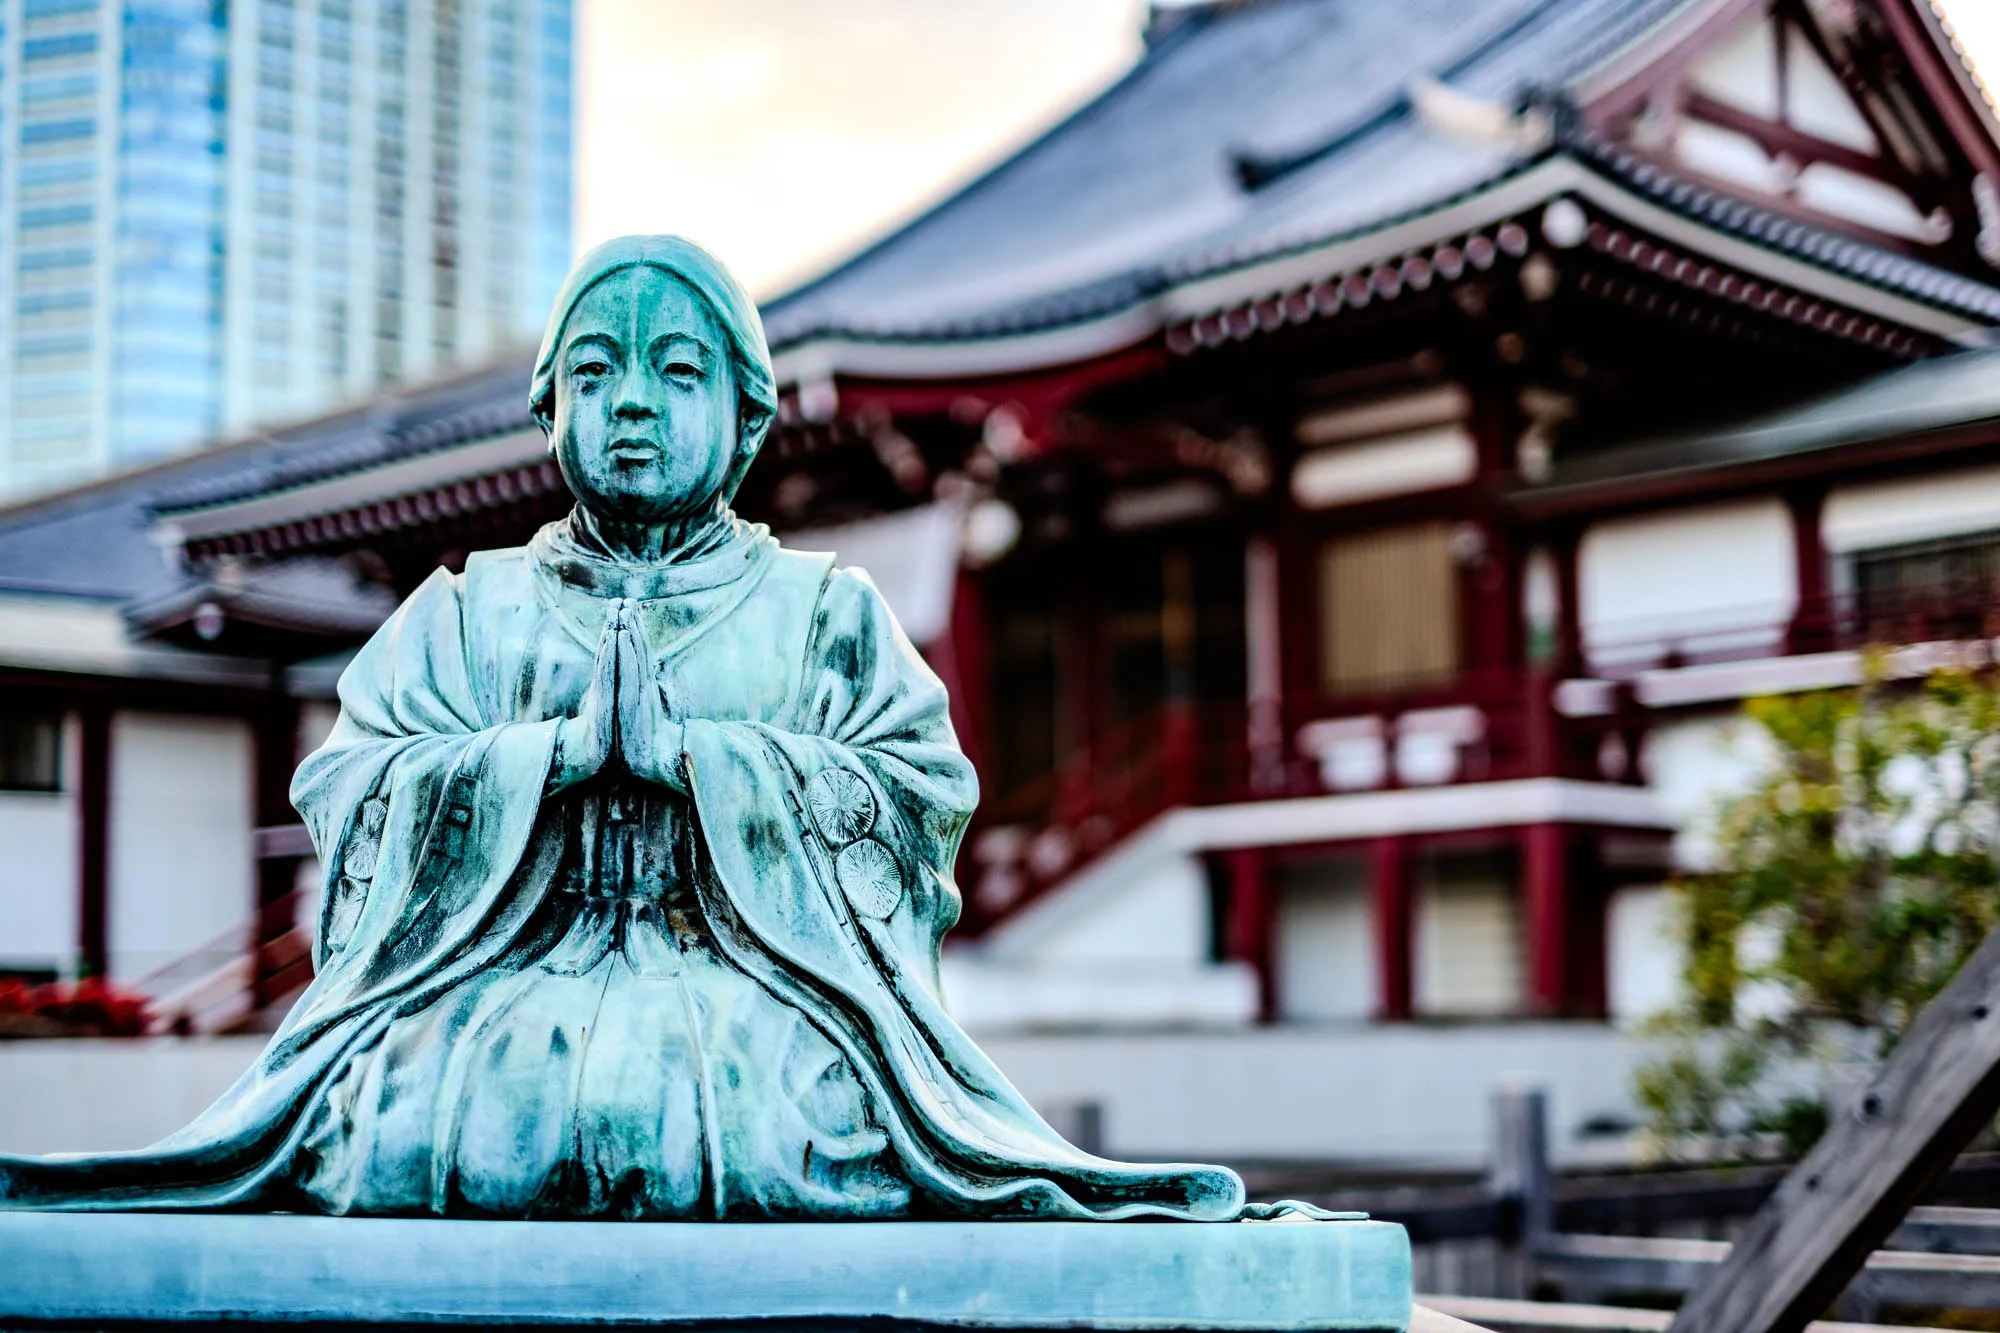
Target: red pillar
{"x": 276, "y": 730}
{"x": 93, "y": 860}
{"x": 1546, "y": 908}
{"x": 1252, "y": 921}
{"x": 959, "y": 658}
{"x": 1393, "y": 910}
{"x": 1590, "y": 898}
{"x": 1811, "y": 622}
{"x": 1181, "y": 723}
{"x": 1180, "y": 752}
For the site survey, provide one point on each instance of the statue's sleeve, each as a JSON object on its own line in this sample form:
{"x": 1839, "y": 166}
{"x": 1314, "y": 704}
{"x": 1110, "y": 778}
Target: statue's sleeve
{"x": 870, "y": 712}
{"x": 418, "y": 805}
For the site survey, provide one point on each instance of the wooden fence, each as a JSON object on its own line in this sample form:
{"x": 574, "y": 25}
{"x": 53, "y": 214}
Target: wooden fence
{"x": 1525, "y": 1250}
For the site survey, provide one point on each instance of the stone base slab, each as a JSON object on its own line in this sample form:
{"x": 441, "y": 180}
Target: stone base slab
{"x": 109, "y": 1269}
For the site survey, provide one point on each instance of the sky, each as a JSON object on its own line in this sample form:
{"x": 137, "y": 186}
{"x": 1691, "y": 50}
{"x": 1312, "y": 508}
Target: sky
{"x": 783, "y": 134}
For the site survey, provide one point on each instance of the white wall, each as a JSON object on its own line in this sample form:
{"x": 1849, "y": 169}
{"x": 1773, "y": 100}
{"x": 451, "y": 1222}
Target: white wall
{"x": 1642, "y": 953}
{"x": 987, "y": 997}
{"x": 1360, "y": 1092}
{"x": 1820, "y": 102}
{"x": 181, "y": 818}
{"x": 38, "y": 877}
{"x": 1325, "y": 953}
{"x": 1123, "y": 944}
{"x": 1706, "y": 574}
{"x": 98, "y": 1093}
{"x": 1394, "y": 1094}
{"x": 1135, "y": 905}
{"x": 1742, "y": 69}
{"x": 1945, "y": 504}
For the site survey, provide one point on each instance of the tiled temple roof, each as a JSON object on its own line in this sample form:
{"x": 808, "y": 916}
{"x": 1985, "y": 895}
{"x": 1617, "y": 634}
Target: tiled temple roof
{"x": 101, "y": 540}
{"x": 1255, "y": 130}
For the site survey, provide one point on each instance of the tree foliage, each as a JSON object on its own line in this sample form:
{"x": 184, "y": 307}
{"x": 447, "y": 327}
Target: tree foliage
{"x": 1849, "y": 882}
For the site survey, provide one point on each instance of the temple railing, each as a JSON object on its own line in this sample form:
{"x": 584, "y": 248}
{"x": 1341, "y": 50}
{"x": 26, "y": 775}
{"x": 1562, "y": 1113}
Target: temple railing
{"x": 1950, "y": 611}
{"x": 227, "y": 983}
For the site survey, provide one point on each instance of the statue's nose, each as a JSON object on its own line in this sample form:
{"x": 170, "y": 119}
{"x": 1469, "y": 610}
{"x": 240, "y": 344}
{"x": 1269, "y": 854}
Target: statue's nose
{"x": 632, "y": 403}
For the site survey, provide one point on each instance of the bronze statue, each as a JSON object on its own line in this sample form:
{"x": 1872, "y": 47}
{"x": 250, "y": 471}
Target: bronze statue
{"x": 637, "y": 847}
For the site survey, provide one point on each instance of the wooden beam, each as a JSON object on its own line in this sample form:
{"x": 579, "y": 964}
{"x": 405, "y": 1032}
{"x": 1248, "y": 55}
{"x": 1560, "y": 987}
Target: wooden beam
{"x": 1776, "y": 137}
{"x": 1939, "y": 1088}
{"x": 1505, "y": 1316}
{"x": 1947, "y": 94}
{"x": 1949, "y": 1231}
{"x": 1597, "y": 1265}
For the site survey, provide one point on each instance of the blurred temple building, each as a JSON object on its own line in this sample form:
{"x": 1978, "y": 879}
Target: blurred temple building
{"x": 220, "y": 215}
{"x": 1348, "y": 474}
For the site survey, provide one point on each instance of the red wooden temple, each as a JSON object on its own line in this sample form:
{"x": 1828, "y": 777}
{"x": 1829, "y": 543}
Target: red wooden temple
{"x": 1337, "y": 470}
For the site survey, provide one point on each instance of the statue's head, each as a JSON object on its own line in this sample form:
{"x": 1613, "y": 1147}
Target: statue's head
{"x": 654, "y": 383}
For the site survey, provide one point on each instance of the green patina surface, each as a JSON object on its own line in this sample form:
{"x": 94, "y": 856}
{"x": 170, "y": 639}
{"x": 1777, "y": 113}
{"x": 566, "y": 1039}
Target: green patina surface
{"x": 140, "y": 1270}
{"x": 637, "y": 846}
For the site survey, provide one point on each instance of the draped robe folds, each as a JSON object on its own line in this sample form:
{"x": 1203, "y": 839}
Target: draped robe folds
{"x": 440, "y": 845}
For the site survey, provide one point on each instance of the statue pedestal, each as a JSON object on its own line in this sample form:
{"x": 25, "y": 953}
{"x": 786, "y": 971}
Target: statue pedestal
{"x": 125, "y": 1268}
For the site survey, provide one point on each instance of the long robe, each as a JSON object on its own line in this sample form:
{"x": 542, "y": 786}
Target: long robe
{"x": 441, "y": 852}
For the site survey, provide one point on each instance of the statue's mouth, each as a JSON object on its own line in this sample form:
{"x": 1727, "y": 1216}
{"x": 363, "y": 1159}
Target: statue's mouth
{"x": 634, "y": 451}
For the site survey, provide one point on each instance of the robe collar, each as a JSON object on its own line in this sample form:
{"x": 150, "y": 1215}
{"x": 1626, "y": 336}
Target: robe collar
{"x": 719, "y": 554}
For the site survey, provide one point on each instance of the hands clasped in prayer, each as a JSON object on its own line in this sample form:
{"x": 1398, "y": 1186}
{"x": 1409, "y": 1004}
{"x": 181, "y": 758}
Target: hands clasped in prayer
{"x": 621, "y": 715}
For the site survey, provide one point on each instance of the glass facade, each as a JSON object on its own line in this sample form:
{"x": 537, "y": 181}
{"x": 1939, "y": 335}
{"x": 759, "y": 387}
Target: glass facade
{"x": 220, "y": 213}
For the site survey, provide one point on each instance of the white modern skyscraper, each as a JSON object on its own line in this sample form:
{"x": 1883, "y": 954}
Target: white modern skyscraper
{"x": 220, "y": 213}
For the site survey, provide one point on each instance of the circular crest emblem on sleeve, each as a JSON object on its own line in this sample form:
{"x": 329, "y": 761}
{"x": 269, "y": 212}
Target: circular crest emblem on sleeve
{"x": 870, "y": 878}
{"x": 842, "y": 806}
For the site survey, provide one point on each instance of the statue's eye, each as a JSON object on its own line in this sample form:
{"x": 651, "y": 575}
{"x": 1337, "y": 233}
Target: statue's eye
{"x": 593, "y": 368}
{"x": 681, "y": 370}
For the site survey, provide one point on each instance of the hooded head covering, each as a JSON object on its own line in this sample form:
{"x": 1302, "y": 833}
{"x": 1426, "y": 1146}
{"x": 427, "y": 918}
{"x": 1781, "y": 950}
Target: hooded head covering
{"x": 733, "y": 309}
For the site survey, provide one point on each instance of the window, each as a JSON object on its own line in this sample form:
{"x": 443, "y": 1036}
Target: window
{"x": 1469, "y": 942}
{"x": 30, "y": 751}
{"x": 1944, "y": 566}
{"x": 66, "y": 215}
{"x": 55, "y": 48}
{"x": 1942, "y": 588}
{"x": 57, "y": 131}
{"x": 1388, "y": 609}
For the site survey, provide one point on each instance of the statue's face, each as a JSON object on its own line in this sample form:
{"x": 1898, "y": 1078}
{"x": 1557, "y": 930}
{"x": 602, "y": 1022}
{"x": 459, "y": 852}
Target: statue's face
{"x": 645, "y": 399}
